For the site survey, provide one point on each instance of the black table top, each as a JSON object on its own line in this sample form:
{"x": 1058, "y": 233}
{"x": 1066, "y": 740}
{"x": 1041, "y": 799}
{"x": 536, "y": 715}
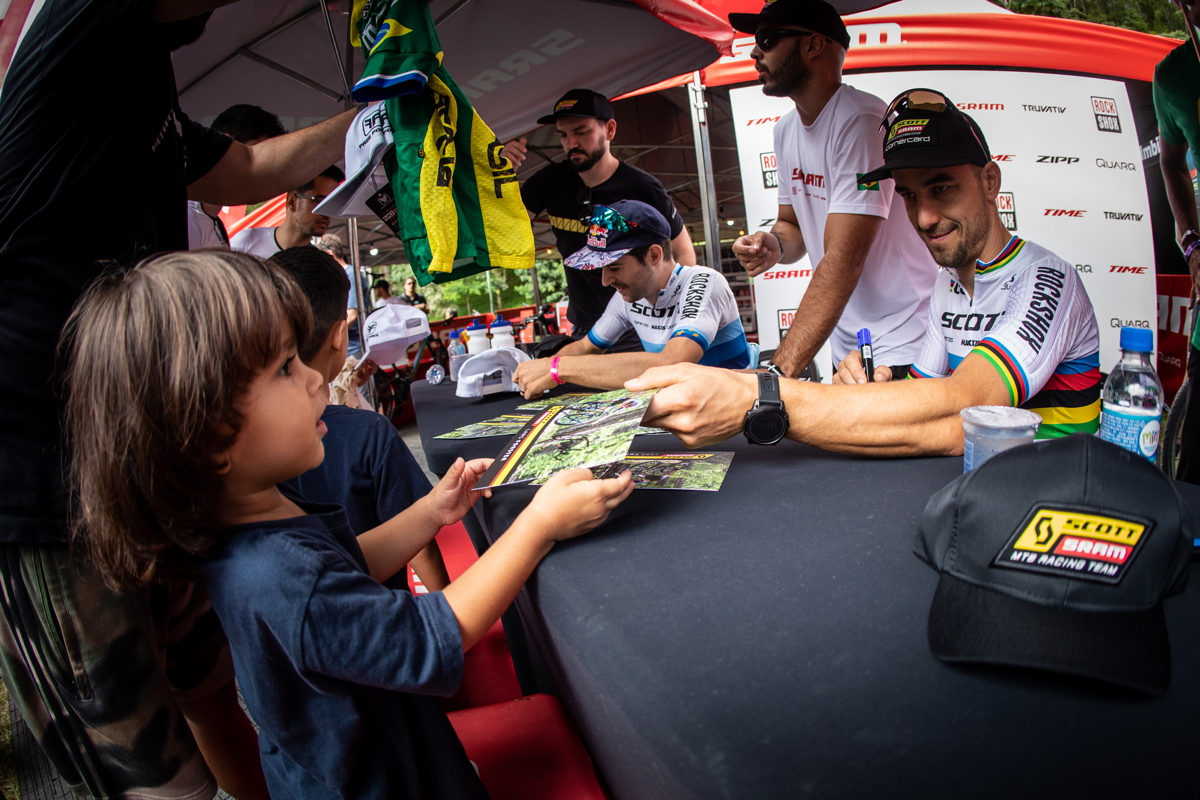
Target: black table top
{"x": 769, "y": 640}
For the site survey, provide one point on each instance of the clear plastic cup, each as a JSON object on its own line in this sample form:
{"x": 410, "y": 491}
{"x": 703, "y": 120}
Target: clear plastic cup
{"x": 456, "y": 361}
{"x": 988, "y": 430}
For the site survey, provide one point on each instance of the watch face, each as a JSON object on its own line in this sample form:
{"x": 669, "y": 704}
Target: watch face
{"x": 767, "y": 426}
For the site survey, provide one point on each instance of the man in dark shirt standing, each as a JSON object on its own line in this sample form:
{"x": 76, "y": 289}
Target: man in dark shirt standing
{"x": 590, "y": 175}
{"x": 89, "y": 114}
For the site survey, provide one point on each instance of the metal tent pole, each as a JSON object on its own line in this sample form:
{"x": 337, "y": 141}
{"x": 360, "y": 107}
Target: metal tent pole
{"x": 704, "y": 172}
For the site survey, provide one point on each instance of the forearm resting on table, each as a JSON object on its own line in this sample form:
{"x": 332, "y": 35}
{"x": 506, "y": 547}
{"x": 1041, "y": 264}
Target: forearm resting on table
{"x": 390, "y": 547}
{"x": 898, "y": 418}
{"x": 612, "y": 370}
{"x": 488, "y": 587}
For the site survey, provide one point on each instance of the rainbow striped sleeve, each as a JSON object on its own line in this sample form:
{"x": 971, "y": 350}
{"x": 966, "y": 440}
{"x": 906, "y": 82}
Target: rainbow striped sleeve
{"x": 1070, "y": 400}
{"x": 1010, "y": 369}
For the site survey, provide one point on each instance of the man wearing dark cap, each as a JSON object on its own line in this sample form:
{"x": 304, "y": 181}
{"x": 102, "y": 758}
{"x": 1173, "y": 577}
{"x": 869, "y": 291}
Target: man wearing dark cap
{"x": 680, "y": 314}
{"x": 1010, "y": 323}
{"x": 870, "y": 270}
{"x": 590, "y": 175}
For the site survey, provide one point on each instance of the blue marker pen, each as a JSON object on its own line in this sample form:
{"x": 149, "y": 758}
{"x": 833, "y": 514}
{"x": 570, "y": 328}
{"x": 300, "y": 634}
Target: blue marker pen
{"x": 864, "y": 347}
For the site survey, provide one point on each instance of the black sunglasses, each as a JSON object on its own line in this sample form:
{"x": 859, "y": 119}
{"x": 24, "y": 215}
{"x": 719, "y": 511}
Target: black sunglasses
{"x": 767, "y": 38}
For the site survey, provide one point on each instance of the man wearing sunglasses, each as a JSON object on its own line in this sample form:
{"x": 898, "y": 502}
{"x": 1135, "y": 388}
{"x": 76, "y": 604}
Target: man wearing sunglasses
{"x": 300, "y": 225}
{"x": 1010, "y": 323}
{"x": 870, "y": 270}
{"x": 680, "y": 314}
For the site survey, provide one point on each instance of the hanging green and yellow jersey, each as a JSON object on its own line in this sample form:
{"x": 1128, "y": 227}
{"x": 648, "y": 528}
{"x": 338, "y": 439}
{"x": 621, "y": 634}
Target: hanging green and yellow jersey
{"x": 458, "y": 204}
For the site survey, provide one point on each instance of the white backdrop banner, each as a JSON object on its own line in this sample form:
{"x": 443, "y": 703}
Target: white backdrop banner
{"x": 1072, "y": 182}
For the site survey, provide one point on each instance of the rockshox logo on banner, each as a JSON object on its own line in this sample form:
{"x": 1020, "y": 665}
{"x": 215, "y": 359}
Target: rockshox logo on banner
{"x": 1107, "y": 119}
{"x": 786, "y": 315}
{"x": 770, "y": 172}
{"x": 1074, "y": 544}
{"x": 1008, "y": 210}
{"x": 873, "y": 186}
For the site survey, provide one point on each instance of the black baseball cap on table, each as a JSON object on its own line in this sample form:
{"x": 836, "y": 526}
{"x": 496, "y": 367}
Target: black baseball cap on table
{"x": 579, "y": 103}
{"x": 1057, "y": 556}
{"x": 927, "y": 133}
{"x": 814, "y": 15}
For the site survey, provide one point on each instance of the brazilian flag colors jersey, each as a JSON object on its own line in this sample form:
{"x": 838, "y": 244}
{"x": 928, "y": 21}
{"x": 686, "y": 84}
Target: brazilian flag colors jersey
{"x": 458, "y": 204}
{"x": 1031, "y": 319}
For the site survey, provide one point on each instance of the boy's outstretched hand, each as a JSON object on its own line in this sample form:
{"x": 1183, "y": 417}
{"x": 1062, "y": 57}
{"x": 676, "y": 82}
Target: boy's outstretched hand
{"x": 572, "y": 503}
{"x": 453, "y": 497}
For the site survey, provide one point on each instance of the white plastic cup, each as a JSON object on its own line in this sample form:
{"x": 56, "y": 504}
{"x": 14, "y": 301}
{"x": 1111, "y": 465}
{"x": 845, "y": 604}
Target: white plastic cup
{"x": 988, "y": 430}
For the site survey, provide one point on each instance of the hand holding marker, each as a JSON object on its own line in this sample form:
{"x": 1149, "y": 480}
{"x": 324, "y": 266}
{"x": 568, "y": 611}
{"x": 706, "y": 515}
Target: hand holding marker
{"x": 864, "y": 347}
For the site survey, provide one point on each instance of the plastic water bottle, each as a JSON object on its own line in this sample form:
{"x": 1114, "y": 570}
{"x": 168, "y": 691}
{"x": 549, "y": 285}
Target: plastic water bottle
{"x": 457, "y": 348}
{"x": 477, "y": 340}
{"x": 1132, "y": 399}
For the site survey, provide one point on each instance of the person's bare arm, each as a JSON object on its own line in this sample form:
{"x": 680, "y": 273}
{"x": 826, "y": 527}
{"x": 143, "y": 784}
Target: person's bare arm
{"x": 1173, "y": 162}
{"x": 600, "y": 370}
{"x": 254, "y": 174}
{"x": 848, "y": 239}
{"x": 391, "y": 546}
{"x": 570, "y": 503}
{"x": 431, "y": 568}
{"x": 682, "y": 250}
{"x": 784, "y": 244}
{"x": 173, "y": 10}
{"x": 703, "y": 405}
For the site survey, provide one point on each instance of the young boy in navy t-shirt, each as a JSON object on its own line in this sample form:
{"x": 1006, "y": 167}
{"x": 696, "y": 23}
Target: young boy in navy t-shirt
{"x": 367, "y": 468}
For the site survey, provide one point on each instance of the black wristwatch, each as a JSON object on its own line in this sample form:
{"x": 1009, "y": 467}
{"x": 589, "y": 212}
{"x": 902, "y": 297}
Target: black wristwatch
{"x": 767, "y": 421}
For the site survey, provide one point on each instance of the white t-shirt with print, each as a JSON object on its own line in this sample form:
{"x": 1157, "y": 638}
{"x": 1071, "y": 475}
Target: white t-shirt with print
{"x": 819, "y": 166}
{"x": 255, "y": 241}
{"x": 696, "y": 304}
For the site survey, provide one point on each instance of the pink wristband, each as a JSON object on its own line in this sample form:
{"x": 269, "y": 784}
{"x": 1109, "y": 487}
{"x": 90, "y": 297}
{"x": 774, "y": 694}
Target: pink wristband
{"x": 554, "y": 371}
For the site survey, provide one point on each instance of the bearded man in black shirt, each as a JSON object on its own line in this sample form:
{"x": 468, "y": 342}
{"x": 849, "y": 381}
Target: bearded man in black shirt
{"x": 590, "y": 175}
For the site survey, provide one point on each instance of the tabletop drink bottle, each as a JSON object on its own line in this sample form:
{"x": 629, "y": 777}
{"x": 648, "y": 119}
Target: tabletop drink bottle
{"x": 1131, "y": 413}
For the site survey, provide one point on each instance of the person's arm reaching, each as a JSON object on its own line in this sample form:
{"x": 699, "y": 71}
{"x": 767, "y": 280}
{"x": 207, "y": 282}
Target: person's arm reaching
{"x": 570, "y": 503}
{"x": 1173, "y": 163}
{"x": 584, "y": 364}
{"x": 391, "y": 546}
{"x": 784, "y": 244}
{"x": 278, "y": 165}
{"x": 848, "y": 239}
{"x": 682, "y": 250}
{"x": 703, "y": 405}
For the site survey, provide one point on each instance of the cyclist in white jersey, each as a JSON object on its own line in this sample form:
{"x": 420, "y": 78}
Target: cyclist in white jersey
{"x": 681, "y": 314}
{"x": 1013, "y": 324}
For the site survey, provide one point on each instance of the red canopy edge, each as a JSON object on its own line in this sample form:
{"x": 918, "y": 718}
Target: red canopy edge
{"x": 1013, "y": 41}
{"x": 690, "y": 17}
{"x": 269, "y": 215}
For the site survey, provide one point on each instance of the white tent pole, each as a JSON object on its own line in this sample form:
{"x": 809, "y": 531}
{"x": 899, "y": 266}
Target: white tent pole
{"x": 704, "y": 173}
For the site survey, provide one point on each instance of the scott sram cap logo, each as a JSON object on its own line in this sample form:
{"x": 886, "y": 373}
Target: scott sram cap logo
{"x": 564, "y": 105}
{"x": 597, "y": 236}
{"x": 1074, "y": 544}
{"x": 907, "y": 126}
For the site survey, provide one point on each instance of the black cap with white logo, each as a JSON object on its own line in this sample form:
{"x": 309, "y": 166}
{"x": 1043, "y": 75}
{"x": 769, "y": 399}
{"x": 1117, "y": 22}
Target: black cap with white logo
{"x": 814, "y": 15}
{"x": 924, "y": 135}
{"x": 1057, "y": 556}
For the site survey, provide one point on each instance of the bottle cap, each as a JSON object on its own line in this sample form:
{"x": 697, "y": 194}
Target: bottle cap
{"x": 1137, "y": 340}
{"x": 477, "y": 325}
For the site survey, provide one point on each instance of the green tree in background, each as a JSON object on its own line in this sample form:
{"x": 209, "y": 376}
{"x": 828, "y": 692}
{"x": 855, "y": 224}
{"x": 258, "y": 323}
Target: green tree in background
{"x": 1148, "y": 16}
{"x": 510, "y": 288}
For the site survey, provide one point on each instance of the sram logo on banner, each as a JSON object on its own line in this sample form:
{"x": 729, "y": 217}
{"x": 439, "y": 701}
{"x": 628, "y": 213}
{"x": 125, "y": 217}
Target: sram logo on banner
{"x": 1107, "y": 119}
{"x": 1007, "y": 207}
{"x": 1074, "y": 544}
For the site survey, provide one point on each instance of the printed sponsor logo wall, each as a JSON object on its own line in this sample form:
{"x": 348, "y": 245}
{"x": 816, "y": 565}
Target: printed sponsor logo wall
{"x": 1072, "y": 182}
